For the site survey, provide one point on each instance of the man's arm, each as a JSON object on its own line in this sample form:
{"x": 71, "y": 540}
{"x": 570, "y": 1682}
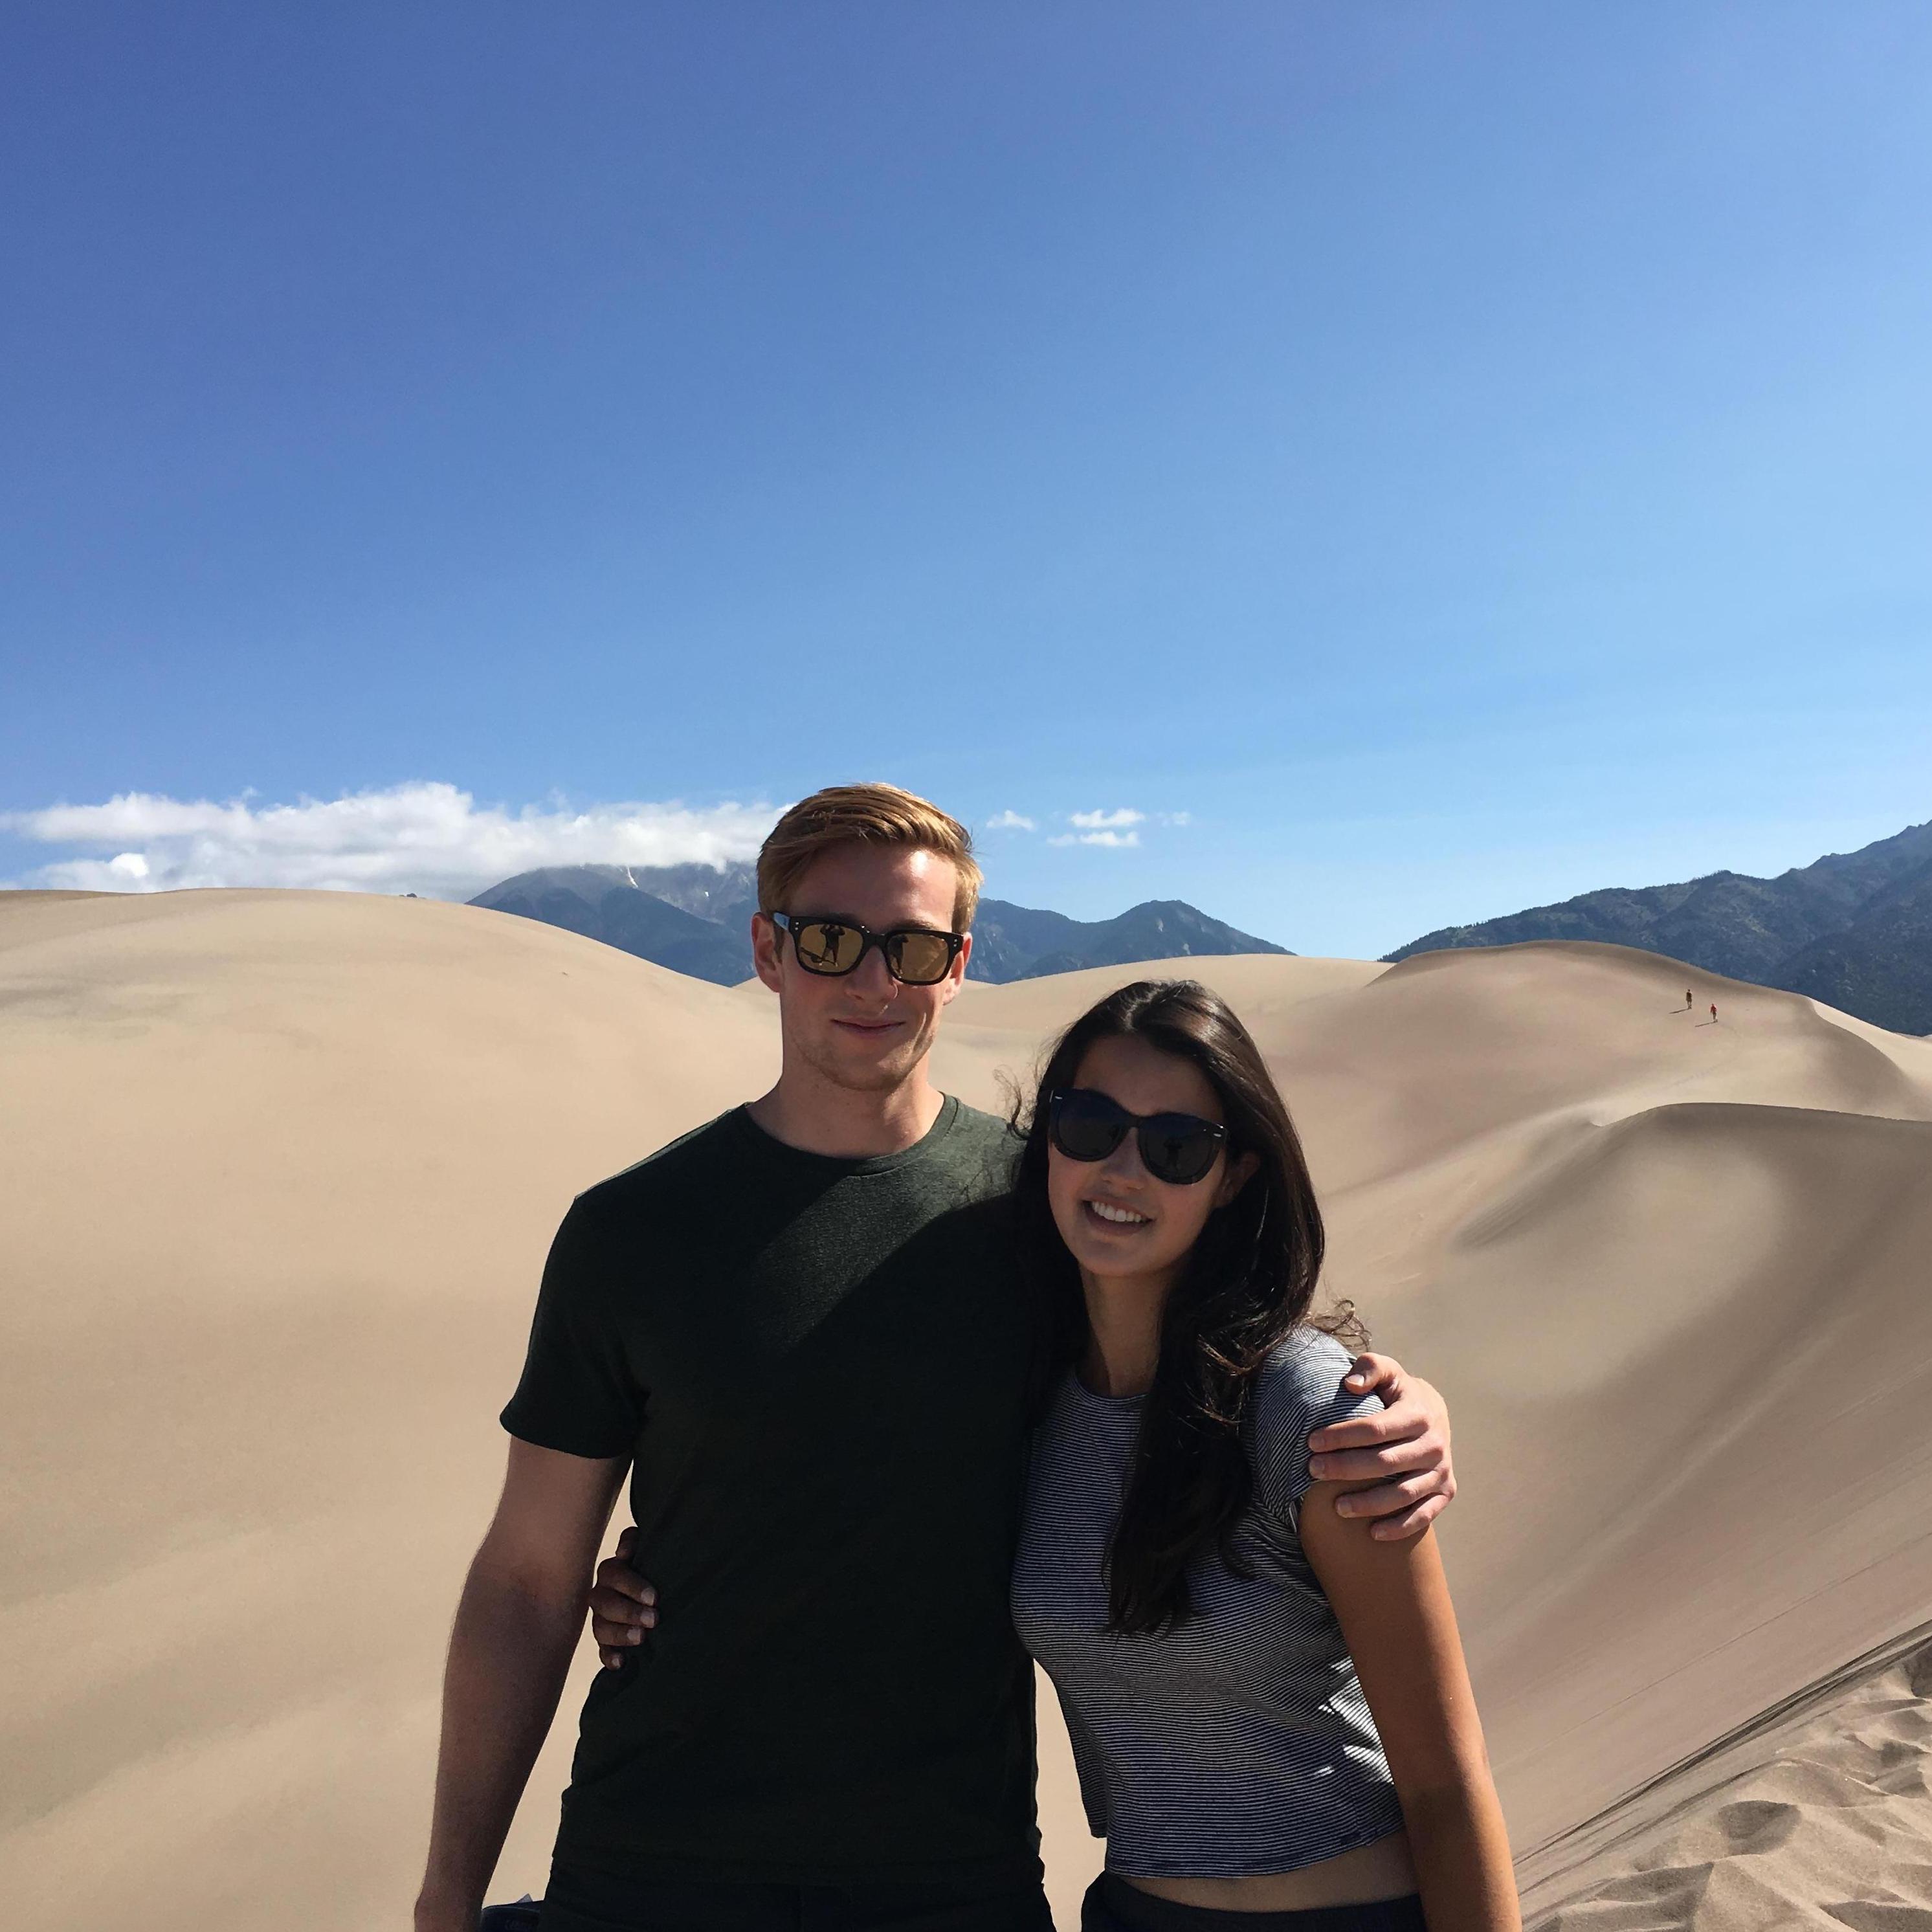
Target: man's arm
{"x": 1403, "y": 1452}
{"x": 516, "y": 1626}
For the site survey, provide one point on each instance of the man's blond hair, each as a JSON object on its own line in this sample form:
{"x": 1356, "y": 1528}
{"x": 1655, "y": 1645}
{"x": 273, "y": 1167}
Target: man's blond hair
{"x": 863, "y": 814}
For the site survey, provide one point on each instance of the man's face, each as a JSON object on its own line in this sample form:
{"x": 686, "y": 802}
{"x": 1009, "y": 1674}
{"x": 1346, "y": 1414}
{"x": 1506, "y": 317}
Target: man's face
{"x": 863, "y": 1031}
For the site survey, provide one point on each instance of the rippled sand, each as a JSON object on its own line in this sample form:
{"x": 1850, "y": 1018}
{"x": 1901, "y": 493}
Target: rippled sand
{"x": 1823, "y": 1819}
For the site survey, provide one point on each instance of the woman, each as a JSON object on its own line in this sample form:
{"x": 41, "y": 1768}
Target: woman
{"x": 1269, "y": 1712}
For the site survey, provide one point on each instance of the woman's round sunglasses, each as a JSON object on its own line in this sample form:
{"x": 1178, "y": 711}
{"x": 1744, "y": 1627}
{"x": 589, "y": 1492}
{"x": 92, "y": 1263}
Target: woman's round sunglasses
{"x": 915, "y": 955}
{"x": 1087, "y": 1125}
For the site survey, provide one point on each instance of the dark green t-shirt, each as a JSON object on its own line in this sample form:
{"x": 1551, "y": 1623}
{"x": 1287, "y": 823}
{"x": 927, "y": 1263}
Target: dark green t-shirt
{"x": 821, "y": 1368}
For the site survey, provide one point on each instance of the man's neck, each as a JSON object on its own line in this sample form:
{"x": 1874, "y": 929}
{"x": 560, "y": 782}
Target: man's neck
{"x": 816, "y": 1116}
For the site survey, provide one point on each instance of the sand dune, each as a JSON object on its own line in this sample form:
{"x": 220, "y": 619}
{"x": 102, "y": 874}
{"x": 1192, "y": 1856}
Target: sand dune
{"x": 1821, "y": 1817}
{"x": 281, "y": 1169}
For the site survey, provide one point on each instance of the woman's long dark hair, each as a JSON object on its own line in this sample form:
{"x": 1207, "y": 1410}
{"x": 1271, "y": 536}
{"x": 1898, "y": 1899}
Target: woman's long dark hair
{"x": 1248, "y": 1282}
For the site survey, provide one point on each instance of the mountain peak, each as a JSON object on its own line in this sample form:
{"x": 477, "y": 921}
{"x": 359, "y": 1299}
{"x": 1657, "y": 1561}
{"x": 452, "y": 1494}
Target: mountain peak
{"x": 696, "y": 919}
{"x": 1852, "y": 929}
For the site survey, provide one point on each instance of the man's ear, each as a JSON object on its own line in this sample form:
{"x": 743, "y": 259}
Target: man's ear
{"x": 956, "y": 978}
{"x": 1240, "y": 1171}
{"x": 765, "y": 950}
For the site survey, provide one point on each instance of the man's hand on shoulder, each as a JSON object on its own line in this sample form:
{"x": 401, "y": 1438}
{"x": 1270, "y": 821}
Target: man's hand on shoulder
{"x": 1403, "y": 1452}
{"x": 622, "y": 1605}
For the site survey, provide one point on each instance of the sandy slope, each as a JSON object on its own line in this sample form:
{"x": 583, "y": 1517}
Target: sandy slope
{"x": 281, "y": 1167}
{"x": 1821, "y": 1817}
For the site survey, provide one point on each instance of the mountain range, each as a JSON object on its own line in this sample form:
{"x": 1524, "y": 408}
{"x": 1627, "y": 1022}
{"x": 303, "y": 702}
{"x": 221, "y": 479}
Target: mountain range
{"x": 695, "y": 919}
{"x": 1853, "y": 929}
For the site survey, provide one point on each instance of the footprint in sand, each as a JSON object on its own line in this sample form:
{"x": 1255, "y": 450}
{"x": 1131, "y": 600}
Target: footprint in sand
{"x": 1914, "y": 1879}
{"x": 1874, "y": 1915}
{"x": 1737, "y": 1830}
{"x": 1639, "y": 1902}
{"x": 1899, "y": 1767}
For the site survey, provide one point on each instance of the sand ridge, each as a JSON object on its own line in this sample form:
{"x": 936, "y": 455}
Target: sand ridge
{"x": 1821, "y": 1818}
{"x": 283, "y": 1166}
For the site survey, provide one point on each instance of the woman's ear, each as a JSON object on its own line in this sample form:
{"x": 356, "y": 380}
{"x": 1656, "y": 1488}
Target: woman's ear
{"x": 1240, "y": 1171}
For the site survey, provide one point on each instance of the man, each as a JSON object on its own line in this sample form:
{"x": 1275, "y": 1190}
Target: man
{"x": 799, "y": 1331}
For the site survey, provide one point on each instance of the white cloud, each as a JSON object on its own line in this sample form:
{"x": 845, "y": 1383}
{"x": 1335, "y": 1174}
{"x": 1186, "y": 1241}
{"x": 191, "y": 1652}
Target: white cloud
{"x": 1113, "y": 828}
{"x": 423, "y": 838}
{"x": 1009, "y": 821}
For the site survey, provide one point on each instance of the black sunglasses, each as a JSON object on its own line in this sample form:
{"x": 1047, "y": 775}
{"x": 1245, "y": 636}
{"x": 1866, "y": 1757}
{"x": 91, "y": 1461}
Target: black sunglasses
{"x": 915, "y": 955}
{"x": 1177, "y": 1148}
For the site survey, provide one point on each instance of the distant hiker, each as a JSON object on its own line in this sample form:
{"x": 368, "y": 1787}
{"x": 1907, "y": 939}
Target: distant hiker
{"x": 837, "y": 1729}
{"x": 1713, "y": 1013}
{"x": 1689, "y": 999}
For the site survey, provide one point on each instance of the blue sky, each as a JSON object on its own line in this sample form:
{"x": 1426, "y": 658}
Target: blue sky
{"x": 1426, "y": 460}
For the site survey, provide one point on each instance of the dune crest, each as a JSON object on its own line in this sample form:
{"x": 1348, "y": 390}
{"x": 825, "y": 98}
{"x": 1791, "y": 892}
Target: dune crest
{"x": 283, "y": 1167}
{"x": 1818, "y": 1815}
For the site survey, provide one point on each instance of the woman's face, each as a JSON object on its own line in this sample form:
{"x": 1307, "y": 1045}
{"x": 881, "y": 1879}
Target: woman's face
{"x": 1116, "y": 1219}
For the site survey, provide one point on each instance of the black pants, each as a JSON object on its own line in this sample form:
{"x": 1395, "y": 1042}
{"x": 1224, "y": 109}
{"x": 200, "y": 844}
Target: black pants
{"x": 1112, "y": 1905}
{"x": 587, "y": 1901}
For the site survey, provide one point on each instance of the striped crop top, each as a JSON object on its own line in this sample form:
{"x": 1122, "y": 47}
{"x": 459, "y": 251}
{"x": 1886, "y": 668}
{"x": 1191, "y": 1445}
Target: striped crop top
{"x": 1239, "y": 1741}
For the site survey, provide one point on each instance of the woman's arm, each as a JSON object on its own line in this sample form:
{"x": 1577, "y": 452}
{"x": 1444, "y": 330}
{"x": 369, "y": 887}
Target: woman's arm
{"x": 1392, "y": 1601}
